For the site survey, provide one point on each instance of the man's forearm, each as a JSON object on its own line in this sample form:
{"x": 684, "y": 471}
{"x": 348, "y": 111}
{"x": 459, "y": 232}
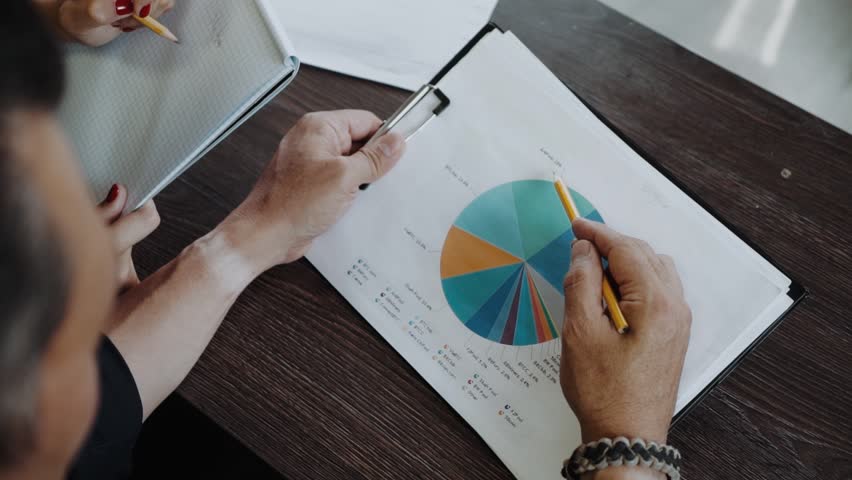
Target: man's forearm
{"x": 162, "y": 326}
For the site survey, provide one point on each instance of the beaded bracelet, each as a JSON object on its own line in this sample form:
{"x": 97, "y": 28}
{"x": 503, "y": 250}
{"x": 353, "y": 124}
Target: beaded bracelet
{"x": 607, "y": 453}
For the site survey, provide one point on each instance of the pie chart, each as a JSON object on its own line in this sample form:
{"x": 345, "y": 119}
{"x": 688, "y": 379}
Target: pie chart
{"x": 504, "y": 260}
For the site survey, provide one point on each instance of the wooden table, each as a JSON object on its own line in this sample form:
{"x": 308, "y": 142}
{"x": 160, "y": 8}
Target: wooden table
{"x": 300, "y": 378}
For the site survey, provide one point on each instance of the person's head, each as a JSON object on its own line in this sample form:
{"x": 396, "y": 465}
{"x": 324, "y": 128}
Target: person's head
{"x": 56, "y": 277}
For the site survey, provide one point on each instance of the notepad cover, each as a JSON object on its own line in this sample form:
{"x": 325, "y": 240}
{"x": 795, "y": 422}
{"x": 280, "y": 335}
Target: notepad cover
{"x": 141, "y": 109}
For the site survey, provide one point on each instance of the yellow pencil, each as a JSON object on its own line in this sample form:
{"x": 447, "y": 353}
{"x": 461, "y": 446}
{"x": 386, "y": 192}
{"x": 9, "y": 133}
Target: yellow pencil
{"x": 608, "y": 293}
{"x": 157, "y": 28}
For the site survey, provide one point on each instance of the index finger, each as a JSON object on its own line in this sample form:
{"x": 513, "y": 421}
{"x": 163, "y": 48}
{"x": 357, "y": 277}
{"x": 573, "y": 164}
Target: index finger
{"x": 361, "y": 123}
{"x": 627, "y": 261}
{"x": 349, "y": 125}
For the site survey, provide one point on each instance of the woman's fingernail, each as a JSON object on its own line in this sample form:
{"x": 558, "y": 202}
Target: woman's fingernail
{"x": 146, "y": 10}
{"x": 127, "y": 29}
{"x": 113, "y": 194}
{"x": 123, "y": 7}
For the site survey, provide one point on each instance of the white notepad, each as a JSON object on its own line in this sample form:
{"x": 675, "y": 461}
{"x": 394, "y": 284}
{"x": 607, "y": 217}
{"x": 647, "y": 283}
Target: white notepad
{"x": 142, "y": 109}
{"x": 457, "y": 256}
{"x": 397, "y": 42}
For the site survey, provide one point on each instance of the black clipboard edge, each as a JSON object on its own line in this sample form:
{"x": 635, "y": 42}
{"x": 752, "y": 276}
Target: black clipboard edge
{"x": 488, "y": 28}
{"x": 797, "y": 292}
{"x": 798, "y": 296}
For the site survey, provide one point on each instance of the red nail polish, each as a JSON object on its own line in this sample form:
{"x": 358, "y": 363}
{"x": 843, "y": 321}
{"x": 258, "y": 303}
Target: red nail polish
{"x": 127, "y": 29}
{"x": 146, "y": 10}
{"x": 113, "y": 194}
{"x": 123, "y": 7}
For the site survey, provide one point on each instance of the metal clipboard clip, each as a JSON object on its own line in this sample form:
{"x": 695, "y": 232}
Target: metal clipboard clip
{"x": 419, "y": 103}
{"x": 414, "y": 115}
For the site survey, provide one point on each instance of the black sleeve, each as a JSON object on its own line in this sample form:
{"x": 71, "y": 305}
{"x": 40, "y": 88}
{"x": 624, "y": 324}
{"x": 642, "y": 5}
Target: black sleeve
{"x": 107, "y": 452}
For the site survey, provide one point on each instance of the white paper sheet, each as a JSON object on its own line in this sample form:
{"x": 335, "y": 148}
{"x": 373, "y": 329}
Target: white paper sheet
{"x": 511, "y": 120}
{"x": 396, "y": 42}
{"x": 141, "y": 109}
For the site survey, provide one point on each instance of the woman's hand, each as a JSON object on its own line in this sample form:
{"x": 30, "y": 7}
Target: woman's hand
{"x": 310, "y": 182}
{"x": 127, "y": 230}
{"x": 622, "y": 384}
{"x": 96, "y": 22}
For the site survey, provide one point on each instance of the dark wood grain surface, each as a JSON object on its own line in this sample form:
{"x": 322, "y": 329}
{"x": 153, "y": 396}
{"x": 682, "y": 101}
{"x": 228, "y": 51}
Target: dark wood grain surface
{"x": 299, "y": 377}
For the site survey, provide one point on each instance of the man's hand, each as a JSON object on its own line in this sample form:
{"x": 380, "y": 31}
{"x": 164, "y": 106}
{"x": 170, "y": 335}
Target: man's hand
{"x": 162, "y": 325}
{"x": 96, "y": 22}
{"x": 622, "y": 384}
{"x": 311, "y": 181}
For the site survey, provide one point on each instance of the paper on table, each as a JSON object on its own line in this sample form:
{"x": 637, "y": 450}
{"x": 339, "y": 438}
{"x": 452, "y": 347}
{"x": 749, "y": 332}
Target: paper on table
{"x": 141, "y": 109}
{"x": 396, "y": 42}
{"x": 387, "y": 255}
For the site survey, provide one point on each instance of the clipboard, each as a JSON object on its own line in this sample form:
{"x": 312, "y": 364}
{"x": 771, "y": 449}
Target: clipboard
{"x": 429, "y": 102}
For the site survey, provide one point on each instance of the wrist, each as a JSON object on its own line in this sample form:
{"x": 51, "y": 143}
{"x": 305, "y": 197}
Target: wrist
{"x": 221, "y": 255}
{"x": 622, "y": 458}
{"x": 260, "y": 244}
{"x": 640, "y": 426}
{"x": 624, "y": 473}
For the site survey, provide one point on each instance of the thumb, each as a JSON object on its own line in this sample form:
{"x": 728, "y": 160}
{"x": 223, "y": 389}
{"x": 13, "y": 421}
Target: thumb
{"x": 376, "y": 158}
{"x": 583, "y": 296}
